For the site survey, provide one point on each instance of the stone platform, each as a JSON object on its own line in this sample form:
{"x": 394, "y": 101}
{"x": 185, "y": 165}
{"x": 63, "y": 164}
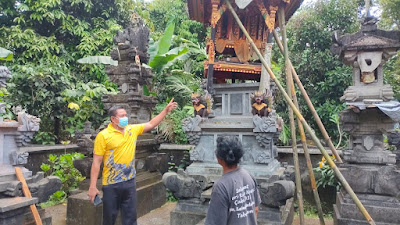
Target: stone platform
{"x": 151, "y": 195}
{"x": 12, "y": 210}
{"x": 384, "y": 209}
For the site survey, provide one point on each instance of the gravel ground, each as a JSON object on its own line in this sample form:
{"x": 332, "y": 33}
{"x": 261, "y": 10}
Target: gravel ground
{"x": 158, "y": 216}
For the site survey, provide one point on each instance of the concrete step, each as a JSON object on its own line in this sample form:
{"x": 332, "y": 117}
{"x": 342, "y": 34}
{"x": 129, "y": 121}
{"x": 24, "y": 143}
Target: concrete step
{"x": 146, "y": 178}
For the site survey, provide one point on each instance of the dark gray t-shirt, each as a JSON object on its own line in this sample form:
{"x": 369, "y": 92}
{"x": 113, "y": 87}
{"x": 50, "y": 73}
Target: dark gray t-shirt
{"x": 233, "y": 200}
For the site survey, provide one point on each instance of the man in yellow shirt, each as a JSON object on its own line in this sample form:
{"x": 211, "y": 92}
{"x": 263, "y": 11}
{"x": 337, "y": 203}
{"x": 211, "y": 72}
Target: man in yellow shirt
{"x": 115, "y": 147}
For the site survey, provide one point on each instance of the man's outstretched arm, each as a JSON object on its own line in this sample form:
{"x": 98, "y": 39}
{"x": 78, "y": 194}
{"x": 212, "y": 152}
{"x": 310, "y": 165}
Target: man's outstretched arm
{"x": 157, "y": 120}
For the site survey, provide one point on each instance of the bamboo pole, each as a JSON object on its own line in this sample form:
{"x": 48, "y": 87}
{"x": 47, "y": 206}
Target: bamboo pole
{"x": 304, "y": 143}
{"x": 310, "y": 105}
{"x": 307, "y": 127}
{"x": 289, "y": 86}
{"x": 27, "y": 193}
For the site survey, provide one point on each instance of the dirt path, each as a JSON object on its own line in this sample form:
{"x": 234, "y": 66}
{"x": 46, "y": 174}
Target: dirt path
{"x": 58, "y": 214}
{"x": 160, "y": 216}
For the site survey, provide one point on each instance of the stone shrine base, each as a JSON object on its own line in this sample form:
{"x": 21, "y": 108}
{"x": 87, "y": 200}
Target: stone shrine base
{"x": 16, "y": 211}
{"x": 193, "y": 212}
{"x": 385, "y": 210}
{"x": 150, "y": 195}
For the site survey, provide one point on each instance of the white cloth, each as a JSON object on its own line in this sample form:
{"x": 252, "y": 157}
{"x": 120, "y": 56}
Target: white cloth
{"x": 390, "y": 108}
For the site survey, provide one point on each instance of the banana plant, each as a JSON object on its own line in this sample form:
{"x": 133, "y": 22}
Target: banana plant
{"x": 5, "y": 54}
{"x": 162, "y": 56}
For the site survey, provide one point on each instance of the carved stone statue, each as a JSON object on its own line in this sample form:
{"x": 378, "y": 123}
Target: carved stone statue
{"x": 5, "y": 74}
{"x": 199, "y": 108}
{"x": 260, "y": 107}
{"x": 182, "y": 185}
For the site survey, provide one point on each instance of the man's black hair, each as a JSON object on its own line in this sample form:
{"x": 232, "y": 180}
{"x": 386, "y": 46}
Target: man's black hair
{"x": 113, "y": 110}
{"x": 229, "y": 149}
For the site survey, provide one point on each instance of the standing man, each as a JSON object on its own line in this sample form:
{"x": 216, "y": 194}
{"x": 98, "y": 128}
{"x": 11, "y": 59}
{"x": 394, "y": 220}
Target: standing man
{"x": 115, "y": 147}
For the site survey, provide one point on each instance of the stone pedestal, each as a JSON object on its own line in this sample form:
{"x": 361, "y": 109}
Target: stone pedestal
{"x": 150, "y": 195}
{"x": 385, "y": 209}
{"x": 12, "y": 210}
{"x": 232, "y": 116}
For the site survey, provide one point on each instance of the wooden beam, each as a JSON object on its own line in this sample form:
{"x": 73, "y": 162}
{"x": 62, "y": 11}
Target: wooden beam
{"x": 27, "y": 193}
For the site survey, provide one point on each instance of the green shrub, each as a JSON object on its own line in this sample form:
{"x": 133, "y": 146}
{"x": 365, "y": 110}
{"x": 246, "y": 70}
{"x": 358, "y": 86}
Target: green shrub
{"x": 325, "y": 175}
{"x": 62, "y": 167}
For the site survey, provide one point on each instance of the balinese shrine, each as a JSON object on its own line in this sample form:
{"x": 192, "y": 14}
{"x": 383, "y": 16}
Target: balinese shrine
{"x": 234, "y": 80}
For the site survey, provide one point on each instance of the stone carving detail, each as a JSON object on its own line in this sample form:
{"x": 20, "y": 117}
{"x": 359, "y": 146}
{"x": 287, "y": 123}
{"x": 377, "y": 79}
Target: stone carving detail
{"x": 262, "y": 157}
{"x": 2, "y": 107}
{"x": 22, "y": 158}
{"x": 130, "y": 75}
{"x": 197, "y": 154}
{"x": 28, "y": 122}
{"x": 183, "y": 186}
{"x": 191, "y": 124}
{"x": 366, "y": 51}
{"x": 136, "y": 39}
{"x": 28, "y": 126}
{"x": 192, "y": 129}
{"x": 5, "y": 74}
{"x": 265, "y": 124}
{"x": 264, "y": 140}
{"x": 275, "y": 194}
{"x": 84, "y": 138}
{"x": 366, "y": 141}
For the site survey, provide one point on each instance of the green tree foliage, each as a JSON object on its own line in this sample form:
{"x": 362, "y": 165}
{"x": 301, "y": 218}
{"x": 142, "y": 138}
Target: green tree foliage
{"x": 167, "y": 59}
{"x": 325, "y": 78}
{"x": 391, "y": 20}
{"x": 161, "y": 11}
{"x": 391, "y": 13}
{"x": 47, "y": 38}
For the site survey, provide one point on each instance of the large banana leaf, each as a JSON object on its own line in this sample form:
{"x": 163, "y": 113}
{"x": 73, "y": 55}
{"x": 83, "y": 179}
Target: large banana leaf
{"x": 166, "y": 39}
{"x": 98, "y": 59}
{"x": 5, "y": 54}
{"x": 162, "y": 46}
{"x": 163, "y": 61}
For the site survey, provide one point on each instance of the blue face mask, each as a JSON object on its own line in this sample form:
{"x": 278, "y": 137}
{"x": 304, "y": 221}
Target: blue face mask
{"x": 122, "y": 122}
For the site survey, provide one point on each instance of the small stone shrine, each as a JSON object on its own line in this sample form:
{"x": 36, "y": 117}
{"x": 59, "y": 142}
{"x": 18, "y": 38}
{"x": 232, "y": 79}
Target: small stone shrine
{"x": 369, "y": 168}
{"x": 233, "y": 74}
{"x": 13, "y": 135}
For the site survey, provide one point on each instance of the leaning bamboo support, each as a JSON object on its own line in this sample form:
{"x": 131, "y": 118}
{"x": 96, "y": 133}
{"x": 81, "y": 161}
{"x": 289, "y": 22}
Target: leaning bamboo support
{"x": 289, "y": 86}
{"x": 27, "y": 193}
{"x": 309, "y": 103}
{"x": 307, "y": 127}
{"x": 308, "y": 160}
{"x": 289, "y": 67}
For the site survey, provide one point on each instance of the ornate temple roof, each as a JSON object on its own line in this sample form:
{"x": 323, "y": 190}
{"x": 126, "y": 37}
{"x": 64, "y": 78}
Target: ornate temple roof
{"x": 369, "y": 38}
{"x": 200, "y": 10}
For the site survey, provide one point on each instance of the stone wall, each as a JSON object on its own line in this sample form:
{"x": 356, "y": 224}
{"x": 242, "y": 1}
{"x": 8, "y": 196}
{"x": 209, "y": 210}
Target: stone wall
{"x": 39, "y": 154}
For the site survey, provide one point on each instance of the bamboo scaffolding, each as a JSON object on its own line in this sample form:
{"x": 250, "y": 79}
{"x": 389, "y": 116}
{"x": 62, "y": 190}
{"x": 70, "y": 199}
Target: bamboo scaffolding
{"x": 309, "y": 103}
{"x": 289, "y": 87}
{"x": 300, "y": 126}
{"x": 307, "y": 127}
